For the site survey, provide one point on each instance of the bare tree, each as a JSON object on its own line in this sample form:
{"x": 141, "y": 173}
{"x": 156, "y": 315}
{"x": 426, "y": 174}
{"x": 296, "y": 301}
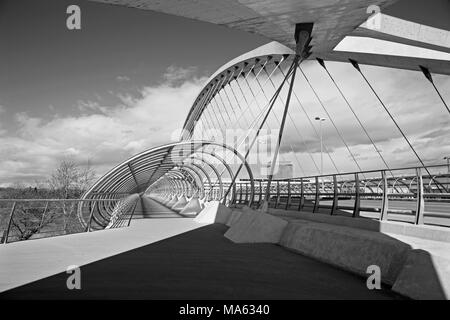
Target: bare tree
{"x": 68, "y": 181}
{"x": 87, "y": 176}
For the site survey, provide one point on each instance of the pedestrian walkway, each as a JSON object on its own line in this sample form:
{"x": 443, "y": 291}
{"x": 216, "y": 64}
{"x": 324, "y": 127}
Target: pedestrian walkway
{"x": 203, "y": 264}
{"x": 149, "y": 208}
{"x": 26, "y": 261}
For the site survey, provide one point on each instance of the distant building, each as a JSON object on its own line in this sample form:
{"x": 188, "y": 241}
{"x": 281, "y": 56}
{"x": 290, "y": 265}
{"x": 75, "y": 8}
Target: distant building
{"x": 284, "y": 170}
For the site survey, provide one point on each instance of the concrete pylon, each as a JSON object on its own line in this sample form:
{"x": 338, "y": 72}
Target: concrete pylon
{"x": 180, "y": 204}
{"x": 171, "y": 202}
{"x": 192, "y": 208}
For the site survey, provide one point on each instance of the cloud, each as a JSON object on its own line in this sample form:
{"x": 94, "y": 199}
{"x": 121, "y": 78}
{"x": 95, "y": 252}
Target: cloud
{"x": 105, "y": 135}
{"x": 92, "y": 106}
{"x": 109, "y": 134}
{"x": 176, "y": 75}
{"x": 123, "y": 78}
{"x": 2, "y": 111}
{"x": 409, "y": 97}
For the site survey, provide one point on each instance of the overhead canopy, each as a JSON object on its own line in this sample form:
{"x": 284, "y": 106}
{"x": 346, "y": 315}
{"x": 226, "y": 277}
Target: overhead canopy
{"x": 143, "y": 170}
{"x": 137, "y": 173}
{"x": 333, "y": 21}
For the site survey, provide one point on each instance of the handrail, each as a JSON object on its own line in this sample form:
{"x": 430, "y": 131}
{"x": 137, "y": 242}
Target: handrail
{"x": 360, "y": 172}
{"x": 54, "y": 200}
{"x": 27, "y": 219}
{"x": 419, "y": 195}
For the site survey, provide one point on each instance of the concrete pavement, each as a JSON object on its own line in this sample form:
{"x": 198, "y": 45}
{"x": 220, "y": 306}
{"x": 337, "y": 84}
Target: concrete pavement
{"x": 26, "y": 261}
{"x": 203, "y": 264}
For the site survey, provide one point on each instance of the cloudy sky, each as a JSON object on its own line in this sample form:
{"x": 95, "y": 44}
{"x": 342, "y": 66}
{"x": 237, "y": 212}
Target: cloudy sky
{"x": 122, "y": 84}
{"x": 125, "y": 82}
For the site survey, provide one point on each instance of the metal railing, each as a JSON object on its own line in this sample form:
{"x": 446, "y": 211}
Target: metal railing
{"x": 407, "y": 194}
{"x": 25, "y": 219}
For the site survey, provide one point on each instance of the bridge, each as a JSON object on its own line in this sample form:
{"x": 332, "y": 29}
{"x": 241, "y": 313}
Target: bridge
{"x": 259, "y": 116}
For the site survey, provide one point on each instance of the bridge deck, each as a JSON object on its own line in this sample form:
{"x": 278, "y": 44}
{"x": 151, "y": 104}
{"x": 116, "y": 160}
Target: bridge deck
{"x": 203, "y": 264}
{"x": 26, "y": 261}
{"x": 149, "y": 208}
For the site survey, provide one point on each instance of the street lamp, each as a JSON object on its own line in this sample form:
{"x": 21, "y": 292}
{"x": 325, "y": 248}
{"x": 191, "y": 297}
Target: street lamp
{"x": 320, "y": 119}
{"x": 448, "y": 163}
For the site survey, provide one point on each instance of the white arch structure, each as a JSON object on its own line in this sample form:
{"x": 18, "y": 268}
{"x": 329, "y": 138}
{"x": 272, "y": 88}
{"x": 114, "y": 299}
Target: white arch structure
{"x": 243, "y": 93}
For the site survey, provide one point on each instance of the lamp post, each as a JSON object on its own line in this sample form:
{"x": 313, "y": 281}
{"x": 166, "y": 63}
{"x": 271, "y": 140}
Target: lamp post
{"x": 448, "y": 163}
{"x": 321, "y": 143}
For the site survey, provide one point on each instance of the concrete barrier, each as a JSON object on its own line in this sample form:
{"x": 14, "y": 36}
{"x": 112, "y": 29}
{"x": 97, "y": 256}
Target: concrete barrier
{"x": 171, "y": 202}
{"x": 427, "y": 232}
{"x": 192, "y": 208}
{"x": 234, "y": 216}
{"x": 424, "y": 276}
{"x": 348, "y": 248}
{"x": 256, "y": 227}
{"x": 415, "y": 267}
{"x": 214, "y": 212}
{"x": 180, "y": 204}
{"x": 411, "y": 271}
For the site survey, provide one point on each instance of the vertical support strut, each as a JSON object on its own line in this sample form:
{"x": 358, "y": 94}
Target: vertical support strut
{"x": 288, "y": 201}
{"x": 277, "y": 200}
{"x": 91, "y": 216}
{"x": 302, "y": 39}
{"x": 133, "y": 210}
{"x": 260, "y": 193}
{"x": 317, "y": 197}
{"x": 43, "y": 215}
{"x": 265, "y": 204}
{"x": 357, "y": 206}
{"x": 335, "y": 196}
{"x": 420, "y": 208}
{"x": 302, "y": 195}
{"x": 11, "y": 215}
{"x": 385, "y": 199}
{"x": 246, "y": 193}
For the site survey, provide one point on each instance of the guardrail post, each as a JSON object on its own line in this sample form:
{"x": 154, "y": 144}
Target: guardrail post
{"x": 91, "y": 215}
{"x": 420, "y": 208}
{"x": 357, "y": 206}
{"x": 5, "y": 236}
{"x": 302, "y": 195}
{"x": 335, "y": 196}
{"x": 317, "y": 197}
{"x": 277, "y": 199}
{"x": 134, "y": 208}
{"x": 240, "y": 193}
{"x": 288, "y": 202}
{"x": 233, "y": 197}
{"x": 246, "y": 193}
{"x": 385, "y": 199}
{"x": 260, "y": 193}
{"x": 43, "y": 215}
